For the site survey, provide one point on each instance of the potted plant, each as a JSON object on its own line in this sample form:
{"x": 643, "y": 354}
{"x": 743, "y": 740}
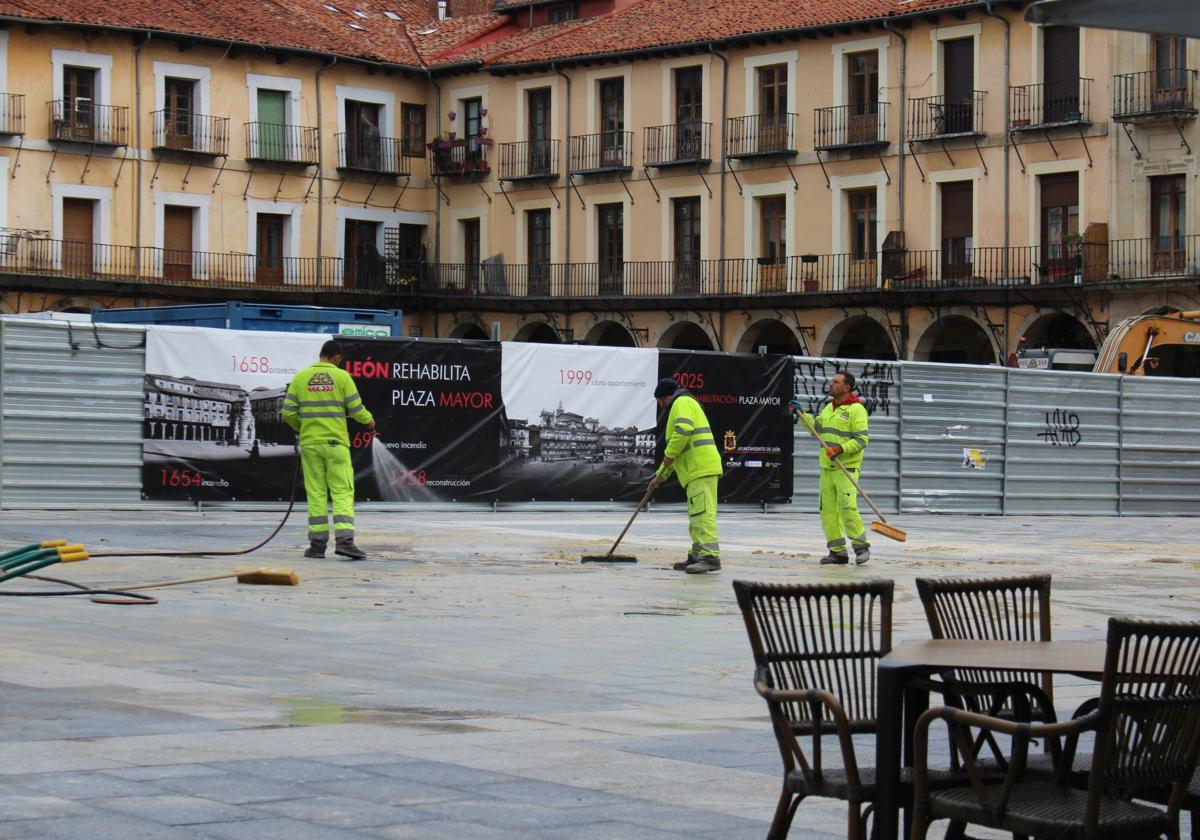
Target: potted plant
{"x": 438, "y": 144}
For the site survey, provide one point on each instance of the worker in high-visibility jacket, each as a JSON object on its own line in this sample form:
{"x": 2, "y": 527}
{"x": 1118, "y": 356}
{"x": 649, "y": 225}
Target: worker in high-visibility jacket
{"x": 842, "y": 424}
{"x": 693, "y": 457}
{"x": 317, "y": 404}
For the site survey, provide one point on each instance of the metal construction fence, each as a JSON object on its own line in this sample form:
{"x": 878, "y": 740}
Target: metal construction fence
{"x": 973, "y": 439}
{"x": 944, "y": 438}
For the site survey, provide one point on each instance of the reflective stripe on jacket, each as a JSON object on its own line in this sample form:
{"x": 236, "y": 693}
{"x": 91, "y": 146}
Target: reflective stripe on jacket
{"x": 844, "y": 425}
{"x": 690, "y": 441}
{"x": 318, "y": 402}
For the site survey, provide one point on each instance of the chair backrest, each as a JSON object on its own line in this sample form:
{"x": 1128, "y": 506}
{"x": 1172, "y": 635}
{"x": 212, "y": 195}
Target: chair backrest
{"x": 1149, "y": 731}
{"x": 1013, "y": 609}
{"x": 821, "y": 636}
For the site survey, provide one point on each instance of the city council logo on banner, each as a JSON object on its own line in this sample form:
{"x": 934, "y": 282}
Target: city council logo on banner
{"x": 730, "y": 441}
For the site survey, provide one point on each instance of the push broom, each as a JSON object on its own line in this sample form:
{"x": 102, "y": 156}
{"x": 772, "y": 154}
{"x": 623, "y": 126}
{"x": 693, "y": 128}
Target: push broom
{"x": 620, "y": 558}
{"x": 880, "y": 527}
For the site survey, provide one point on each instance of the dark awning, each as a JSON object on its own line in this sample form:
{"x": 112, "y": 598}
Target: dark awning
{"x": 1161, "y": 17}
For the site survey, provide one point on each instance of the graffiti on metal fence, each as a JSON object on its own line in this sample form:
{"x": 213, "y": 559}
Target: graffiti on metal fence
{"x": 1061, "y": 428}
{"x": 874, "y": 383}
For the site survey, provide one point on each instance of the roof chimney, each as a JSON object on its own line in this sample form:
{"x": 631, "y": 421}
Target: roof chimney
{"x": 443, "y": 9}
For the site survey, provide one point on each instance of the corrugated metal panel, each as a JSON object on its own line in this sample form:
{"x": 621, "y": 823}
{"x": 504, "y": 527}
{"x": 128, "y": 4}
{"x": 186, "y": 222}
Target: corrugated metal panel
{"x": 70, "y": 414}
{"x": 947, "y": 409}
{"x": 1160, "y": 469}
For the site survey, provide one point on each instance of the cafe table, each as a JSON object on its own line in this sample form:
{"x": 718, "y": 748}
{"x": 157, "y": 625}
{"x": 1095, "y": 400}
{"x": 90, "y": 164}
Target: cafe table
{"x": 899, "y": 704}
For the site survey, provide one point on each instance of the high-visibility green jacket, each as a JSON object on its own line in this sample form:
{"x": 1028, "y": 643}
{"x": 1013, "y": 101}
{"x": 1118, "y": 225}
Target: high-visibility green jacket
{"x": 318, "y": 402}
{"x": 690, "y": 441}
{"x": 843, "y": 425}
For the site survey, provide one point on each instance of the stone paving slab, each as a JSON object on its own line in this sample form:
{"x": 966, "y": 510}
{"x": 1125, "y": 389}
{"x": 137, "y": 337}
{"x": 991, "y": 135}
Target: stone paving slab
{"x": 472, "y": 679}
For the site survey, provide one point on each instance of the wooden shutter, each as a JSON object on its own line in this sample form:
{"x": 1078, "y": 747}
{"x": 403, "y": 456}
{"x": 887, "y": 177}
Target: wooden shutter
{"x": 957, "y": 214}
{"x": 1060, "y": 53}
{"x": 177, "y": 228}
{"x": 958, "y": 59}
{"x": 77, "y": 220}
{"x": 1060, "y": 190}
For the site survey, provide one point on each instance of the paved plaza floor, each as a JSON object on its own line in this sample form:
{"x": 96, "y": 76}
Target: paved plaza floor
{"x": 472, "y": 679}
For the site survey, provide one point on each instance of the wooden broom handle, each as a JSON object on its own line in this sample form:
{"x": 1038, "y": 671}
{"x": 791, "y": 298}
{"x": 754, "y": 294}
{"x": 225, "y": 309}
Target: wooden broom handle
{"x": 636, "y": 511}
{"x": 812, "y": 431}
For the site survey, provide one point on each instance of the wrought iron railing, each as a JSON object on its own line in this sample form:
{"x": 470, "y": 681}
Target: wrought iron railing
{"x": 1066, "y": 102}
{"x": 1167, "y": 92}
{"x": 83, "y": 121}
{"x": 761, "y": 135}
{"x": 848, "y": 126}
{"x": 606, "y": 151}
{"x": 26, "y": 253}
{"x": 12, "y": 114}
{"x": 183, "y": 131}
{"x": 367, "y": 153}
{"x": 677, "y": 144}
{"x": 932, "y": 117}
{"x": 279, "y": 143}
{"x": 465, "y": 156}
{"x": 529, "y": 159}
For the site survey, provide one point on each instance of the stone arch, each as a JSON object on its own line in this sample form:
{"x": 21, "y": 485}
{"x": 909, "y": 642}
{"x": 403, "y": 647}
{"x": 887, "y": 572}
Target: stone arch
{"x": 686, "y": 335}
{"x": 1058, "y": 329}
{"x": 859, "y": 337}
{"x": 610, "y": 334}
{"x": 772, "y": 333}
{"x": 538, "y": 332}
{"x": 956, "y": 339}
{"x": 80, "y": 304}
{"x": 470, "y": 330}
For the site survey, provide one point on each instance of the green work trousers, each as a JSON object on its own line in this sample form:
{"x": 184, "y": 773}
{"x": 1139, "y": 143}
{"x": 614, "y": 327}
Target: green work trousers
{"x": 702, "y": 516}
{"x": 328, "y": 474}
{"x": 839, "y": 512}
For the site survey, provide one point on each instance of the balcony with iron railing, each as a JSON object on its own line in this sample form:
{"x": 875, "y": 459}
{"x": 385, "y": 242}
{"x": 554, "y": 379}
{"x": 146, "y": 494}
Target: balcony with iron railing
{"x": 462, "y": 157}
{"x": 863, "y": 125}
{"x": 933, "y": 118}
{"x": 606, "y": 151}
{"x": 1154, "y": 94}
{"x": 12, "y": 114}
{"x": 82, "y": 121}
{"x": 1050, "y": 104}
{"x": 188, "y": 133}
{"x": 372, "y": 154}
{"x": 761, "y": 135}
{"x": 280, "y": 143}
{"x": 530, "y": 160}
{"x": 681, "y": 144}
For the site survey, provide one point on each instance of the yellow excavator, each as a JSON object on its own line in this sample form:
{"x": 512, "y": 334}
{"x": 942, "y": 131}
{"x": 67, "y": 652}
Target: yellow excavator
{"x": 1164, "y": 342}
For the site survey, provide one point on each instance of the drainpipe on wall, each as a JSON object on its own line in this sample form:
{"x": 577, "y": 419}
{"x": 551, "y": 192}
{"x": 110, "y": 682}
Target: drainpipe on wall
{"x": 721, "y": 187}
{"x": 137, "y": 167}
{"x": 437, "y": 198}
{"x": 320, "y": 177}
{"x": 1007, "y": 122}
{"x": 566, "y": 193}
{"x": 903, "y": 114}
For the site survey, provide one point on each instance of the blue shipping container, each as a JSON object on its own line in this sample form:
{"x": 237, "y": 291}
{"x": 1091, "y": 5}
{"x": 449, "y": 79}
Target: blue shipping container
{"x": 235, "y": 315}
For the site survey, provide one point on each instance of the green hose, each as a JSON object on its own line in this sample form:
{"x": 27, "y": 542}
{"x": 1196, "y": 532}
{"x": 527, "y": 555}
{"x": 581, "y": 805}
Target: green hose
{"x": 44, "y": 558}
{"x": 9, "y": 563}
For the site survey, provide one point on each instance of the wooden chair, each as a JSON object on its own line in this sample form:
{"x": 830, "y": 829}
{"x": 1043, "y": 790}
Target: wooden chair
{"x": 1146, "y": 723}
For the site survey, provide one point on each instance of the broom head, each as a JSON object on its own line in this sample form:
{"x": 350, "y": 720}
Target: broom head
{"x": 608, "y": 558}
{"x": 268, "y": 577}
{"x": 889, "y": 531}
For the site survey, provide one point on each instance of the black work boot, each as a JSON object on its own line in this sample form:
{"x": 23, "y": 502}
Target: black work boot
{"x": 347, "y": 550}
{"x": 862, "y": 555}
{"x": 704, "y": 564}
{"x": 682, "y": 565}
{"x": 835, "y": 559}
{"x": 316, "y": 549}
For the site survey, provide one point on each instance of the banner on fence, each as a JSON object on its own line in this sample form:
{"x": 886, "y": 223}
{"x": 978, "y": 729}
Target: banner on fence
{"x": 745, "y": 399}
{"x": 457, "y": 421}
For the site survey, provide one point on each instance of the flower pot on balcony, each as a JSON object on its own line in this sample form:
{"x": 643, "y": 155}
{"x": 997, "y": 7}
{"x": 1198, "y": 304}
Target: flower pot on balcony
{"x": 1020, "y": 122}
{"x": 484, "y": 141}
{"x": 811, "y": 285}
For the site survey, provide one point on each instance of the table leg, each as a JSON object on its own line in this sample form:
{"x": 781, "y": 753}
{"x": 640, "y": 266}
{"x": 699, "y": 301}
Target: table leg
{"x": 889, "y": 693}
{"x": 916, "y": 701}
